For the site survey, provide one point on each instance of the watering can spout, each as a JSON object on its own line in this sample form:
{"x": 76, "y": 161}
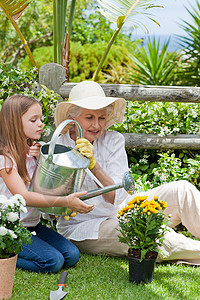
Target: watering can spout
{"x": 127, "y": 183}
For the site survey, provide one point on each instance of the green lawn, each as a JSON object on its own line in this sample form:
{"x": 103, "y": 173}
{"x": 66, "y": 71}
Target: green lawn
{"x": 101, "y": 277}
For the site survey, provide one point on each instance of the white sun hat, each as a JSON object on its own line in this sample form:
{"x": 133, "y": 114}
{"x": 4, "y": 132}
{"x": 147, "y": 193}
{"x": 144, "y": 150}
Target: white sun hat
{"x": 90, "y": 95}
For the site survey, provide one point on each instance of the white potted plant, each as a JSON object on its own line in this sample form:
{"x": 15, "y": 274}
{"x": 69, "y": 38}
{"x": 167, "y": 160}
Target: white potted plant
{"x": 12, "y": 235}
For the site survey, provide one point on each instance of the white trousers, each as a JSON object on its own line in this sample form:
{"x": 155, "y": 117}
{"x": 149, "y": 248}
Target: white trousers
{"x": 183, "y": 204}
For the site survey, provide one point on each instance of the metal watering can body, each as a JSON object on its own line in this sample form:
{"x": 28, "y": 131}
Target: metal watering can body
{"x": 60, "y": 170}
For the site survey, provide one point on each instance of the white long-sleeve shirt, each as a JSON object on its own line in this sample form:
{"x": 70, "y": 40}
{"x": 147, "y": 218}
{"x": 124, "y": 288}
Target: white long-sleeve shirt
{"x": 110, "y": 153}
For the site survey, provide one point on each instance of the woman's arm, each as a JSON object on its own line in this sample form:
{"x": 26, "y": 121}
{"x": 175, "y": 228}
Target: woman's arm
{"x": 115, "y": 165}
{"x": 16, "y": 185}
{"x": 106, "y": 180}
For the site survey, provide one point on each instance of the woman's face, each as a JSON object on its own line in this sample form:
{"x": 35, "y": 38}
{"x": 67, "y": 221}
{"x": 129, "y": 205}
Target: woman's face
{"x": 32, "y": 122}
{"x": 93, "y": 123}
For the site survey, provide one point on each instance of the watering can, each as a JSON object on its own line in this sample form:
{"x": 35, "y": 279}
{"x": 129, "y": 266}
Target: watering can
{"x": 60, "y": 171}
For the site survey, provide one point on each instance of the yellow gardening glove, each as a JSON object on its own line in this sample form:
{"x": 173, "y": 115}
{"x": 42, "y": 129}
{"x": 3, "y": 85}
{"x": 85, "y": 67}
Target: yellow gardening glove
{"x": 86, "y": 149}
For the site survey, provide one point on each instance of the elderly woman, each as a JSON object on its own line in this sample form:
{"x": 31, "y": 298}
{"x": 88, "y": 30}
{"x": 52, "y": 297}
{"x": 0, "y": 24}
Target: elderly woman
{"x": 96, "y": 232}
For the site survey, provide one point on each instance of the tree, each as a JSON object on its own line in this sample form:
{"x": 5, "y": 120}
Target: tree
{"x": 38, "y": 31}
{"x": 189, "y": 73}
{"x": 120, "y": 12}
{"x": 13, "y": 10}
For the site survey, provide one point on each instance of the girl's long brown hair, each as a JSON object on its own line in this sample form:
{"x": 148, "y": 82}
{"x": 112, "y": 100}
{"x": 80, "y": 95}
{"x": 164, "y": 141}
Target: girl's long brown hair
{"x": 12, "y": 138}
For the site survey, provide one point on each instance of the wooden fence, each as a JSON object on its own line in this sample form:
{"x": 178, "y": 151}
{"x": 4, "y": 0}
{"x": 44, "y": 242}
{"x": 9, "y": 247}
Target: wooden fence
{"x": 53, "y": 76}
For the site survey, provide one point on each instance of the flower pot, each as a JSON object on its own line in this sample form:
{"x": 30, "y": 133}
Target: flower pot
{"x": 7, "y": 273}
{"x": 141, "y": 271}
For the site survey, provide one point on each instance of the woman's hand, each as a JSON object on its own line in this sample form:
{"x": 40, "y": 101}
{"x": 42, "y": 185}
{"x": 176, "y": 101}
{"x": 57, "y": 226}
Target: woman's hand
{"x": 35, "y": 149}
{"x": 78, "y": 205}
{"x": 86, "y": 149}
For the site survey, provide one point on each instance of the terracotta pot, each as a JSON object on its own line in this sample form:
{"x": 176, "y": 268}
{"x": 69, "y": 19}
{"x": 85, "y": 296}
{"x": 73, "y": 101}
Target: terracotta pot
{"x": 7, "y": 273}
{"x": 141, "y": 271}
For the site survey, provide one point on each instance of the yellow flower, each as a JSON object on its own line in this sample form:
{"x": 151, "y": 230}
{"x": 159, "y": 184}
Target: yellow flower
{"x": 131, "y": 206}
{"x": 153, "y": 210}
{"x": 144, "y": 204}
{"x": 120, "y": 213}
{"x": 163, "y": 203}
{"x": 137, "y": 199}
{"x": 145, "y": 210}
{"x": 142, "y": 198}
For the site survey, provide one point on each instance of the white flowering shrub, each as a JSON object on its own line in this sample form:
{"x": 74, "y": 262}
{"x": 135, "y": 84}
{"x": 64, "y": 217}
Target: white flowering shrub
{"x": 12, "y": 232}
{"x": 15, "y": 81}
{"x": 162, "y": 118}
{"x": 152, "y": 167}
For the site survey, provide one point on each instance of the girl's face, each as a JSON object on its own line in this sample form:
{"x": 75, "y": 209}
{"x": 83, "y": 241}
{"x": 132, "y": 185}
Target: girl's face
{"x": 32, "y": 122}
{"x": 93, "y": 123}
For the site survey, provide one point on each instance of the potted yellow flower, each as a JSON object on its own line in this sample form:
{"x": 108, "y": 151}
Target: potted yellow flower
{"x": 12, "y": 236}
{"x": 142, "y": 226}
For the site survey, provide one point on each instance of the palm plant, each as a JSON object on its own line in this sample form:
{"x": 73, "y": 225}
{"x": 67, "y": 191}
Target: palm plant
{"x": 13, "y": 10}
{"x": 60, "y": 33}
{"x": 153, "y": 66}
{"x": 119, "y": 12}
{"x": 190, "y": 73}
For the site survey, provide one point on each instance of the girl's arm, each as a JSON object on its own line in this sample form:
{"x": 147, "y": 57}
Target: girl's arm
{"x": 16, "y": 185}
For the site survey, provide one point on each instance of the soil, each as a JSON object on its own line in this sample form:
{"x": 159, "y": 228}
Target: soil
{"x": 137, "y": 254}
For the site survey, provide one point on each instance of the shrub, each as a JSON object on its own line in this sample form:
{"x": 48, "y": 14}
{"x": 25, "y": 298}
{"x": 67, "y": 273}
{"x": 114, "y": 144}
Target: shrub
{"x": 83, "y": 60}
{"x": 13, "y": 81}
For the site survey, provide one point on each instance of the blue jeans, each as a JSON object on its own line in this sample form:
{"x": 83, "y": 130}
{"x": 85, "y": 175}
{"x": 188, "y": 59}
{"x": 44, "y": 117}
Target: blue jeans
{"x": 48, "y": 252}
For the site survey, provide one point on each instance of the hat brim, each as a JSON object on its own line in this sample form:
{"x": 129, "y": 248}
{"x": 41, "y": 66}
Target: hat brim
{"x": 93, "y": 103}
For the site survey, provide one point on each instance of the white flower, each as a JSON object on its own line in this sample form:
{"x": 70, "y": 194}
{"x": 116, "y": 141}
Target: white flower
{"x": 3, "y": 199}
{"x": 20, "y": 198}
{"x": 12, "y": 216}
{"x": 14, "y": 236}
{"x": 23, "y": 209}
{"x": 33, "y": 233}
{"x": 10, "y": 202}
{"x": 46, "y": 131}
{"x": 5, "y": 81}
{"x": 143, "y": 160}
{"x": 3, "y": 230}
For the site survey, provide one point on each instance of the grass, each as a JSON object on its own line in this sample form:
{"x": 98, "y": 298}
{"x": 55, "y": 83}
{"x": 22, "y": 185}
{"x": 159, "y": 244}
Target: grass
{"x": 101, "y": 277}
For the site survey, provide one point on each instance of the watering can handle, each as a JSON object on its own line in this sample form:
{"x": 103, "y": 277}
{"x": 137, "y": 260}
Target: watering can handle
{"x": 57, "y": 133}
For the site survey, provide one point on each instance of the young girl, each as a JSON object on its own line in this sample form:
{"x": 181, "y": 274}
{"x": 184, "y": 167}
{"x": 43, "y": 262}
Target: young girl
{"x": 20, "y": 125}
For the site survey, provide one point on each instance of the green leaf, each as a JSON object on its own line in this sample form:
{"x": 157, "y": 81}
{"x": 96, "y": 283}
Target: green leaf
{"x": 120, "y": 21}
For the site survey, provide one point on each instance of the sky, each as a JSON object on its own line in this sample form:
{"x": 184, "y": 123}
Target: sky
{"x": 170, "y": 16}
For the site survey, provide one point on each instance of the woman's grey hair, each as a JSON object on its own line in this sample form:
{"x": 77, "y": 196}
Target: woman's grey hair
{"x": 75, "y": 111}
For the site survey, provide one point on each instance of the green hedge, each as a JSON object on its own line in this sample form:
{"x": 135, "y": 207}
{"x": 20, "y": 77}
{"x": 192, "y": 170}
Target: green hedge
{"x": 84, "y": 59}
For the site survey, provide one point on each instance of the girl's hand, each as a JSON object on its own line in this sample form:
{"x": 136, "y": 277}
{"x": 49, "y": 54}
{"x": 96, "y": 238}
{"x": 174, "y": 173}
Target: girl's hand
{"x": 35, "y": 149}
{"x": 78, "y": 205}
